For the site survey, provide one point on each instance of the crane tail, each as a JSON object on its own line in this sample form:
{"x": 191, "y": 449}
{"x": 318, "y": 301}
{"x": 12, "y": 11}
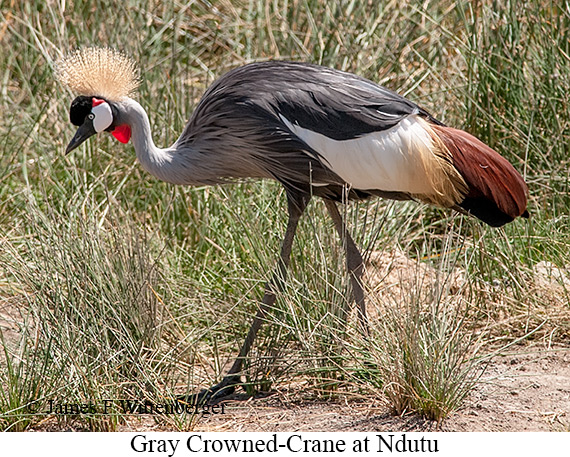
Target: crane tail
{"x": 497, "y": 193}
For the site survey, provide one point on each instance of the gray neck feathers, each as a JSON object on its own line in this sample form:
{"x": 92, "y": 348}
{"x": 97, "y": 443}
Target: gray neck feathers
{"x": 176, "y": 165}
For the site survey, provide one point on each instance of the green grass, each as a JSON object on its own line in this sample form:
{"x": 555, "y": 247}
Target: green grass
{"x": 126, "y": 287}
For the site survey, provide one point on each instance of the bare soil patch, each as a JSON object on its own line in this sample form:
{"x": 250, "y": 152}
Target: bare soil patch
{"x": 527, "y": 390}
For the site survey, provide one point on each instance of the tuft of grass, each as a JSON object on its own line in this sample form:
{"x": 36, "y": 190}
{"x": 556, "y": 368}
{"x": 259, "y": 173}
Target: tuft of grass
{"x": 425, "y": 347}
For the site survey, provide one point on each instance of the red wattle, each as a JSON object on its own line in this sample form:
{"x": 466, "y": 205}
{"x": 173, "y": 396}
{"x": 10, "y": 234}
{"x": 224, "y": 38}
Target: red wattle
{"x": 96, "y": 101}
{"x": 122, "y": 133}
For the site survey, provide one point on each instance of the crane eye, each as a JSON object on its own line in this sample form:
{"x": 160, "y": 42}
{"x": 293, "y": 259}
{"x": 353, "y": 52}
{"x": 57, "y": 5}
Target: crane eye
{"x": 91, "y": 116}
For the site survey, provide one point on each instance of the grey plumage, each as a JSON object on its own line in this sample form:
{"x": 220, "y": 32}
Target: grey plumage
{"x": 238, "y": 123}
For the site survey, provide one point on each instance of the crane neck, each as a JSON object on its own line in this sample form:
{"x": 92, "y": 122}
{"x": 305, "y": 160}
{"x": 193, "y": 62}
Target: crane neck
{"x": 183, "y": 162}
{"x": 153, "y": 159}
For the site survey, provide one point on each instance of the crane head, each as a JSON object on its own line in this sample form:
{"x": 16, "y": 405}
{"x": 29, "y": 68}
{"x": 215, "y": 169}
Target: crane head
{"x": 94, "y": 115}
{"x": 102, "y": 77}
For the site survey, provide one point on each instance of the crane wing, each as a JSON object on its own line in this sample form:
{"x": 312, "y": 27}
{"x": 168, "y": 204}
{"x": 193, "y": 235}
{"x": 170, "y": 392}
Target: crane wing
{"x": 306, "y": 124}
{"x": 317, "y": 130}
{"x": 369, "y": 136}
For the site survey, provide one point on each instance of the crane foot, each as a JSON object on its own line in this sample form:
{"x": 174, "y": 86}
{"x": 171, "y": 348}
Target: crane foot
{"x": 212, "y": 394}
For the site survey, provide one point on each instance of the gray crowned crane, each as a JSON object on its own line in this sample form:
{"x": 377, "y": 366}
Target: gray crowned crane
{"x": 318, "y": 131}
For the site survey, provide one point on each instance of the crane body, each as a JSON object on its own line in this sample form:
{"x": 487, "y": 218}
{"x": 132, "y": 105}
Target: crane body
{"x": 318, "y": 131}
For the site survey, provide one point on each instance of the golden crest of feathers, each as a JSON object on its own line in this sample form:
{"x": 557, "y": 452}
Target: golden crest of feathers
{"x": 98, "y": 71}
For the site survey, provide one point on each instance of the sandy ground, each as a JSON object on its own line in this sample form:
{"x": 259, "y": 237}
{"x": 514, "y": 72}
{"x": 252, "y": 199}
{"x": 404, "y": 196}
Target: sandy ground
{"x": 528, "y": 390}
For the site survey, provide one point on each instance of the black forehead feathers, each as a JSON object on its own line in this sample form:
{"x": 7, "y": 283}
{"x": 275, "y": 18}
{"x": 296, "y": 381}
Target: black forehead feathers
{"x": 80, "y": 108}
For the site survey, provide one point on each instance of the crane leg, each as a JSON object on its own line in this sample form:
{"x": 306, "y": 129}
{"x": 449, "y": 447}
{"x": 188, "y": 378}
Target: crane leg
{"x": 354, "y": 264}
{"x": 226, "y": 386}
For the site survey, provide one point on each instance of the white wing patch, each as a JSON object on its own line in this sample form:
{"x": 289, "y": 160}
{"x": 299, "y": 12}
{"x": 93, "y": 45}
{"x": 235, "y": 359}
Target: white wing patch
{"x": 404, "y": 158}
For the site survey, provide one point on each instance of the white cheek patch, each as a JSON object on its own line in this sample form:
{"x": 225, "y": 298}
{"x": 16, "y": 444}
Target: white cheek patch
{"x": 103, "y": 117}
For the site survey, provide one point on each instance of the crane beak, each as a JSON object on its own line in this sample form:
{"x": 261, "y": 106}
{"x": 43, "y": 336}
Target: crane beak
{"x": 85, "y": 131}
